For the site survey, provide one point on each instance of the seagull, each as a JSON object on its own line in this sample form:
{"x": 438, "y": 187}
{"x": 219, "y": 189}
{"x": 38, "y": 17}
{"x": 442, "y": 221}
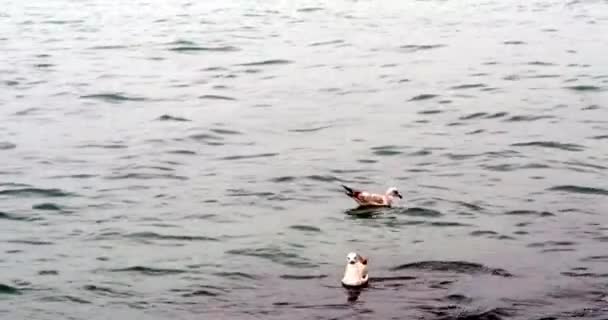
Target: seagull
{"x": 355, "y": 273}
{"x": 367, "y": 199}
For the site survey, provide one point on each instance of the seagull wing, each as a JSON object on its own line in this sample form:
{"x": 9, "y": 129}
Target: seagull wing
{"x": 364, "y": 198}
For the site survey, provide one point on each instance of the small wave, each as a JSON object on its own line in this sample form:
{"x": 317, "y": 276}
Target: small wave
{"x": 48, "y": 272}
{"x": 515, "y": 42}
{"x": 469, "y": 86}
{"x": 305, "y": 228}
{"x": 584, "y": 88}
{"x": 603, "y": 258}
{"x": 473, "y": 116}
{"x": 206, "y": 137}
{"x": 283, "y": 179}
{"x": 602, "y": 137}
{"x": 112, "y": 97}
{"x": 322, "y": 178}
{"x": 310, "y": 129}
{"x": 6, "y": 216}
{"x": 453, "y": 266}
{"x": 43, "y": 65}
{"x": 529, "y": 212}
{"x": 367, "y": 160}
{"x": 557, "y": 250}
{"x": 550, "y": 144}
{"x": 166, "y": 117}
{"x": 6, "y": 289}
{"x": 388, "y": 150}
{"x": 244, "y": 193}
{"x": 63, "y": 21}
{"x": 540, "y": 63}
{"x": 47, "y": 206}
{"x": 497, "y": 115}
{"x": 584, "y": 274}
{"x": 550, "y": 244}
{"x": 455, "y": 156}
{"x": 513, "y": 167}
{"x": 324, "y": 43}
{"x": 201, "y": 292}
{"x": 104, "y": 291}
{"x": 266, "y": 62}
{"x": 149, "y": 270}
{"x": 579, "y": 189}
{"x": 302, "y": 277}
{"x": 236, "y": 275}
{"x": 527, "y": 118}
{"x": 585, "y": 165}
{"x": 226, "y": 131}
{"x": 414, "y": 47}
{"x": 478, "y": 233}
{"x": 591, "y": 107}
{"x": 276, "y": 255}
{"x": 108, "y": 47}
{"x": 199, "y": 49}
{"x": 424, "y": 96}
{"x": 493, "y": 314}
{"x": 216, "y": 97}
{"x": 543, "y": 76}
{"x": 66, "y": 298}
{"x": 420, "y": 212}
{"x": 252, "y": 156}
{"x": 7, "y": 145}
{"x": 27, "y": 192}
{"x": 430, "y": 111}
{"x": 310, "y": 9}
{"x": 447, "y": 224}
{"x": 146, "y": 176}
{"x": 153, "y": 235}
{"x": 104, "y": 146}
{"x": 11, "y": 83}
{"x": 188, "y": 152}
{"x": 32, "y": 242}
{"x": 27, "y": 111}
{"x": 601, "y": 238}
{"x": 77, "y": 176}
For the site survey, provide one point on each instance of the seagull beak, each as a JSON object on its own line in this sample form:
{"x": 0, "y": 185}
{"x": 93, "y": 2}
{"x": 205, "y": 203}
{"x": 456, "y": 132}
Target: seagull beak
{"x": 400, "y": 196}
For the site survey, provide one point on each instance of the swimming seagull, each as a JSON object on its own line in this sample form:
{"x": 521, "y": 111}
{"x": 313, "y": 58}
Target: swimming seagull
{"x": 355, "y": 273}
{"x": 367, "y": 199}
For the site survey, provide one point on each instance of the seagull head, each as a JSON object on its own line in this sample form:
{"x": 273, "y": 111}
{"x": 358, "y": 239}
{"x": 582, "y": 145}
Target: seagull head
{"x": 353, "y": 258}
{"x": 393, "y": 192}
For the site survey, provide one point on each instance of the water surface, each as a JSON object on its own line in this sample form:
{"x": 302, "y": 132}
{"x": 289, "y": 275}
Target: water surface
{"x": 183, "y": 159}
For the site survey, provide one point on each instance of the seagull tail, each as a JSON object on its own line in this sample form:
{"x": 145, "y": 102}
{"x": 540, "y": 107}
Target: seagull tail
{"x": 349, "y": 191}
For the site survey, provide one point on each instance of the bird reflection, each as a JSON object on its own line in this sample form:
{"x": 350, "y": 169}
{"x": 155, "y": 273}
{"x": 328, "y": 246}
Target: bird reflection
{"x": 353, "y": 293}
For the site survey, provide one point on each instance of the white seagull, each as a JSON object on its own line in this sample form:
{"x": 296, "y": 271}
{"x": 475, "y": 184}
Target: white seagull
{"x": 367, "y": 199}
{"x": 355, "y": 273}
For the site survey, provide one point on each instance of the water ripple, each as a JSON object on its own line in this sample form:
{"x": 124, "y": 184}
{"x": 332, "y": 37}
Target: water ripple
{"x": 424, "y": 96}
{"x": 422, "y": 47}
{"x": 266, "y": 63}
{"x": 156, "y": 236}
{"x": 166, "y": 117}
{"x": 453, "y": 266}
{"x": 150, "y": 271}
{"x": 276, "y": 255}
{"x": 35, "y": 192}
{"x": 550, "y": 144}
{"x": 112, "y": 97}
{"x": 251, "y": 156}
{"x": 579, "y": 189}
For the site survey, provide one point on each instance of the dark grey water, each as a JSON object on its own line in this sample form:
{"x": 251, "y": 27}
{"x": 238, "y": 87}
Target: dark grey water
{"x": 182, "y": 159}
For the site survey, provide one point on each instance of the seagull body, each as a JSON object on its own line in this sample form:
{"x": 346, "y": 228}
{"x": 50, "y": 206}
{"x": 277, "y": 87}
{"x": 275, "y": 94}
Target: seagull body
{"x": 355, "y": 273}
{"x": 368, "y": 199}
